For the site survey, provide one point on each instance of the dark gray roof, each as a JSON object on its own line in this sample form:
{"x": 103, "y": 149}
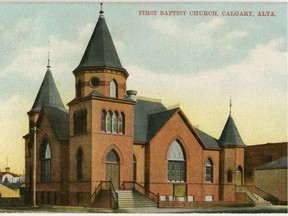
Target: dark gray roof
{"x": 48, "y": 94}
{"x": 156, "y": 122}
{"x": 59, "y": 120}
{"x": 277, "y": 164}
{"x": 230, "y": 136}
{"x": 13, "y": 186}
{"x": 208, "y": 140}
{"x": 141, "y": 111}
{"x": 100, "y": 51}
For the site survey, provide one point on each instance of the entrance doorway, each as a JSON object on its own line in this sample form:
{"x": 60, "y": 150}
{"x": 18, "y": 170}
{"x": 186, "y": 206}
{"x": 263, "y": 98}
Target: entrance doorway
{"x": 113, "y": 168}
{"x": 239, "y": 176}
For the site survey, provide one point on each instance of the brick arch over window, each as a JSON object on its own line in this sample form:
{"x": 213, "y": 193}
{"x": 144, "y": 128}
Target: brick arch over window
{"x": 116, "y": 149}
{"x": 45, "y": 160}
{"x": 176, "y": 162}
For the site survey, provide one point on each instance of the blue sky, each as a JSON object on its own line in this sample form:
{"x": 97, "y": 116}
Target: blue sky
{"x": 195, "y": 61}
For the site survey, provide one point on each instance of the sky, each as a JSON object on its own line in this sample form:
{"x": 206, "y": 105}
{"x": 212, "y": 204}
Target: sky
{"x": 195, "y": 62}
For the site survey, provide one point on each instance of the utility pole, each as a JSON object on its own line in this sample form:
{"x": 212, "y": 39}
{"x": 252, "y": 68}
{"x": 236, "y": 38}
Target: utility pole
{"x": 34, "y": 166}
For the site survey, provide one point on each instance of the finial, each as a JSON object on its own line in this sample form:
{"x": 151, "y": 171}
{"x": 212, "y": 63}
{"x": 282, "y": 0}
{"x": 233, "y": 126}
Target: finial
{"x": 101, "y": 10}
{"x": 230, "y": 105}
{"x": 48, "y": 66}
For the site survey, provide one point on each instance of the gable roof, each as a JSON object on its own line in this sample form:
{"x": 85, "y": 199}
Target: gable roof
{"x": 157, "y": 121}
{"x": 100, "y": 51}
{"x": 59, "y": 121}
{"x": 277, "y": 164}
{"x": 141, "y": 111}
{"x": 48, "y": 94}
{"x": 209, "y": 141}
{"x": 230, "y": 136}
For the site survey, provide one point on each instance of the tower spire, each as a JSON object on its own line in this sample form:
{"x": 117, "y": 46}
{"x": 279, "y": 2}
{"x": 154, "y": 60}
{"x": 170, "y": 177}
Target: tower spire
{"x": 230, "y": 106}
{"x": 48, "y": 66}
{"x": 101, "y": 11}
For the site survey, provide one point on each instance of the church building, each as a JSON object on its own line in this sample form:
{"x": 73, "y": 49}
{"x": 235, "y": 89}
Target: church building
{"x": 110, "y": 139}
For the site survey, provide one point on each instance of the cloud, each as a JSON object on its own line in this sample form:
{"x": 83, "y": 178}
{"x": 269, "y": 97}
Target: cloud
{"x": 12, "y": 35}
{"x": 206, "y": 34}
{"x": 258, "y": 86}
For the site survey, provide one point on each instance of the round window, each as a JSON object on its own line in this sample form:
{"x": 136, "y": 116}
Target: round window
{"x": 94, "y": 81}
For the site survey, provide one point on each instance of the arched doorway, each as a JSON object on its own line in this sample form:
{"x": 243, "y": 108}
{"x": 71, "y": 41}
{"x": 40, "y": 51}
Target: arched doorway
{"x": 113, "y": 168}
{"x": 239, "y": 176}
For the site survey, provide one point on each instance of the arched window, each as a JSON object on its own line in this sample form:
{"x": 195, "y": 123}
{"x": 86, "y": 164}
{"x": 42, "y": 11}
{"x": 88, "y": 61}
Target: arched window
{"x": 115, "y": 122}
{"x": 78, "y": 89}
{"x": 113, "y": 88}
{"x": 112, "y": 157}
{"x": 109, "y": 122}
{"x": 80, "y": 121}
{"x": 45, "y": 161}
{"x": 176, "y": 163}
{"x": 121, "y": 123}
{"x": 79, "y": 164}
{"x": 229, "y": 176}
{"x": 103, "y": 120}
{"x": 209, "y": 170}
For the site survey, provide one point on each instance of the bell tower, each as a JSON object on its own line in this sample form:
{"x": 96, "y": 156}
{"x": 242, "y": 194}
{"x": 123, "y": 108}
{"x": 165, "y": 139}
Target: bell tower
{"x": 231, "y": 160}
{"x": 101, "y": 117}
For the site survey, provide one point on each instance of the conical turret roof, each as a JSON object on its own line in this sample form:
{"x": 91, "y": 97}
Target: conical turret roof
{"x": 230, "y": 136}
{"x": 48, "y": 95}
{"x": 100, "y": 51}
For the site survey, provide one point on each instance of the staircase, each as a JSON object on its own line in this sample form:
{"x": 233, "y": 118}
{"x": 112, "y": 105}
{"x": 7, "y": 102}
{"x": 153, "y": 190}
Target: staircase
{"x": 258, "y": 200}
{"x": 131, "y": 199}
{"x": 261, "y": 201}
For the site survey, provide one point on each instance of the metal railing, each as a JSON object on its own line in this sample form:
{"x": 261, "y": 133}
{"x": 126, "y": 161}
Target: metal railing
{"x": 106, "y": 186}
{"x": 131, "y": 185}
{"x": 263, "y": 194}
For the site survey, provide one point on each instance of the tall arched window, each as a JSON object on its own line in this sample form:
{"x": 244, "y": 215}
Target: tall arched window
{"x": 229, "y": 176}
{"x": 109, "y": 122}
{"x": 78, "y": 89}
{"x": 122, "y": 123}
{"x": 113, "y": 88}
{"x": 45, "y": 161}
{"x": 209, "y": 170}
{"x": 115, "y": 122}
{"x": 103, "y": 120}
{"x": 79, "y": 164}
{"x": 176, "y": 163}
{"x": 80, "y": 121}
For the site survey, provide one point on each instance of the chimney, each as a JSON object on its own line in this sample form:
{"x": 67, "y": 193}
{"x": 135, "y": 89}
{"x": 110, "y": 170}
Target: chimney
{"x": 7, "y": 169}
{"x": 132, "y": 94}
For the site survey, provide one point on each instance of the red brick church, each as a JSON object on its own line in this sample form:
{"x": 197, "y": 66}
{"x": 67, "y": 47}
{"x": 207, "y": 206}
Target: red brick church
{"x": 110, "y": 141}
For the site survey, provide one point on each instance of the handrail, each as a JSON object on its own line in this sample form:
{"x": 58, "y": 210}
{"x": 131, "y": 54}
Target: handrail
{"x": 106, "y": 185}
{"x": 142, "y": 190}
{"x": 263, "y": 194}
{"x": 96, "y": 191}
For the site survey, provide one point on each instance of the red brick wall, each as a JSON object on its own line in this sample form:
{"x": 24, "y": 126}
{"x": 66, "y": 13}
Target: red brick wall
{"x": 176, "y": 129}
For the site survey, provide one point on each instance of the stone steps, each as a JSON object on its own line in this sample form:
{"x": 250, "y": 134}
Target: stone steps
{"x": 130, "y": 199}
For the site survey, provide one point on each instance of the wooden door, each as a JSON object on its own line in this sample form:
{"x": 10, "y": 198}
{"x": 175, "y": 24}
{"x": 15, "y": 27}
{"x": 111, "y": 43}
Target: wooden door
{"x": 113, "y": 174}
